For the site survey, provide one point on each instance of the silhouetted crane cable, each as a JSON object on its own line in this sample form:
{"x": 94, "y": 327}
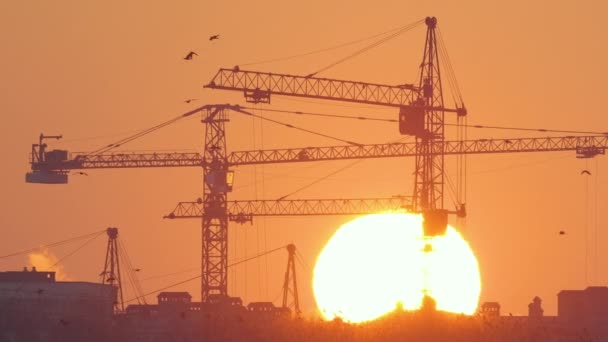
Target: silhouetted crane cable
{"x": 280, "y": 59}
{"x": 54, "y": 244}
{"x": 353, "y": 117}
{"x": 320, "y": 179}
{"x": 76, "y": 250}
{"x": 298, "y": 128}
{"x": 369, "y": 47}
{"x": 453, "y": 192}
{"x": 144, "y": 132}
{"x": 334, "y": 104}
{"x": 303, "y": 263}
{"x": 541, "y": 130}
{"x": 452, "y": 80}
{"x": 508, "y": 167}
{"x": 200, "y": 275}
{"x": 595, "y": 190}
{"x": 131, "y": 275}
{"x": 132, "y": 137}
{"x": 192, "y": 269}
{"x": 326, "y": 115}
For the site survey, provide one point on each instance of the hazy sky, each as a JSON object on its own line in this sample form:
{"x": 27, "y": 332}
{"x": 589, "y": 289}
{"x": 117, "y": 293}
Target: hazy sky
{"x": 97, "y": 70}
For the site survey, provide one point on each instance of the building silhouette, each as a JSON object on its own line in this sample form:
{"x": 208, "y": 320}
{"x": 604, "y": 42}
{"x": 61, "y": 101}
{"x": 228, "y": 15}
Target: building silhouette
{"x": 535, "y": 309}
{"x": 36, "y": 307}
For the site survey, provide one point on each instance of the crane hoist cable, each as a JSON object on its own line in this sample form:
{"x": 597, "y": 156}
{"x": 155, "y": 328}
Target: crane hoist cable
{"x": 452, "y": 80}
{"x": 541, "y": 130}
{"x": 54, "y": 244}
{"x": 130, "y": 272}
{"x": 76, "y": 250}
{"x": 297, "y": 128}
{"x": 200, "y": 275}
{"x": 354, "y": 117}
{"x": 368, "y": 47}
{"x": 144, "y": 132}
{"x": 326, "y": 115}
{"x": 191, "y": 269}
{"x": 352, "y": 42}
{"x": 322, "y": 178}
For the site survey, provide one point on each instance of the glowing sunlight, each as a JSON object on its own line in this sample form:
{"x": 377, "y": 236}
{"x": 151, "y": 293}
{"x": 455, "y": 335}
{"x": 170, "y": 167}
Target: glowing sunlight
{"x": 374, "y": 262}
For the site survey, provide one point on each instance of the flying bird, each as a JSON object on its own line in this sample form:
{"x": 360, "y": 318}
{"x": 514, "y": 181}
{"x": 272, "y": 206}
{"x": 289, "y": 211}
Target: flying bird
{"x": 586, "y": 172}
{"x": 561, "y": 232}
{"x": 190, "y": 55}
{"x": 190, "y": 100}
{"x": 137, "y": 269}
{"x": 82, "y": 173}
{"x": 214, "y": 37}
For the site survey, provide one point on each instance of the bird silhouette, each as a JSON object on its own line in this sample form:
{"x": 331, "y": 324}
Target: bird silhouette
{"x": 82, "y": 173}
{"x": 214, "y": 37}
{"x": 190, "y": 100}
{"x": 586, "y": 172}
{"x": 190, "y": 55}
{"x": 137, "y": 269}
{"x": 561, "y": 232}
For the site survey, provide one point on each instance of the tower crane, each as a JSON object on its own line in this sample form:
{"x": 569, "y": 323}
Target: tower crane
{"x": 421, "y": 114}
{"x": 111, "y": 270}
{"x": 116, "y": 256}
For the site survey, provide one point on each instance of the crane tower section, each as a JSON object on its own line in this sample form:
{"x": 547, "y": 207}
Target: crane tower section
{"x": 217, "y": 181}
{"x": 421, "y": 114}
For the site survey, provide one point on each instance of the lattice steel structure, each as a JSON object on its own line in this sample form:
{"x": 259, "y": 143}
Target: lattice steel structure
{"x": 244, "y": 211}
{"x": 421, "y": 115}
{"x": 217, "y": 184}
{"x": 290, "y": 283}
{"x": 111, "y": 270}
{"x": 584, "y": 146}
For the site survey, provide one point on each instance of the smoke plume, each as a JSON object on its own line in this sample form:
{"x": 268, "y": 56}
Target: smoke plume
{"x": 45, "y": 260}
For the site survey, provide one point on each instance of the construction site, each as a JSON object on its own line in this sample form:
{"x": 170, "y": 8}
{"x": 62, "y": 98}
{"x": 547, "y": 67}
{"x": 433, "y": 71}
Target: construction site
{"x": 282, "y": 163}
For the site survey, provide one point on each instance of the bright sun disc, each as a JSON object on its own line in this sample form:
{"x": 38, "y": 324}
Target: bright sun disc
{"x": 374, "y": 262}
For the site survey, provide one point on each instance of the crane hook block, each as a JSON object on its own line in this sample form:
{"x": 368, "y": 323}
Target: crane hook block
{"x": 435, "y": 222}
{"x": 411, "y": 121}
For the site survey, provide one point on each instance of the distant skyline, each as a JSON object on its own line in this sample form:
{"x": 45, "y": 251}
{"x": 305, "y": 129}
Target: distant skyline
{"x": 97, "y": 72}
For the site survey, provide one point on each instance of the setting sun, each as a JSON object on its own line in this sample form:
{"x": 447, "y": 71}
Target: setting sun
{"x": 377, "y": 261}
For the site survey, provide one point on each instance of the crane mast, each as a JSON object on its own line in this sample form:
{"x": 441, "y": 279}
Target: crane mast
{"x": 421, "y": 115}
{"x": 428, "y": 176}
{"x": 111, "y": 271}
{"x": 217, "y": 180}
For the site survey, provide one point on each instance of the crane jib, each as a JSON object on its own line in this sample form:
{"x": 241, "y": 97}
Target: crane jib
{"x": 258, "y": 86}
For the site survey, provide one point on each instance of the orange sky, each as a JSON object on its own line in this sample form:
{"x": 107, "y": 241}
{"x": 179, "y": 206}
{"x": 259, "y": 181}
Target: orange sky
{"x": 94, "y": 72}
